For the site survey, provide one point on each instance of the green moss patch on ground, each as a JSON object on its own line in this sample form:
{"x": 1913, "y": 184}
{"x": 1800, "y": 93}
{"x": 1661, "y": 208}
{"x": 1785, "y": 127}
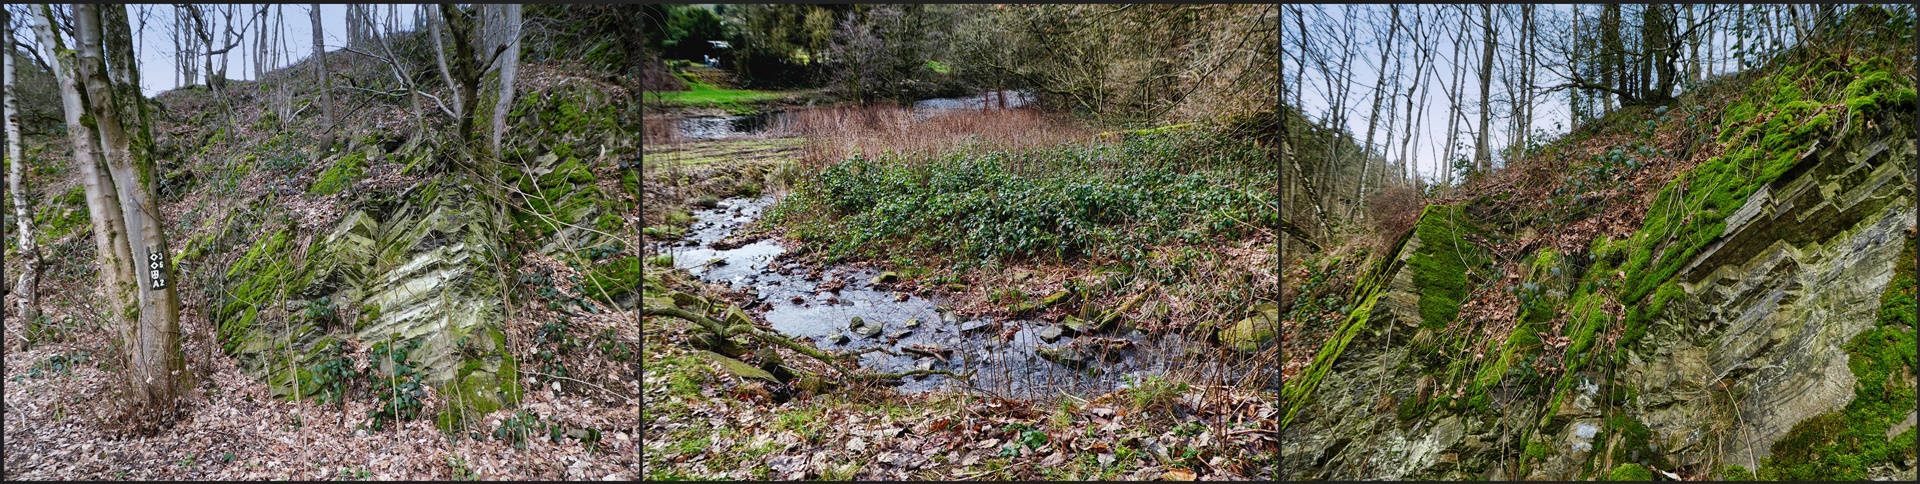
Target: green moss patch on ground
{"x": 343, "y": 173}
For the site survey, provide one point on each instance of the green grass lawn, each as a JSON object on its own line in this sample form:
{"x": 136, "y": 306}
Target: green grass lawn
{"x": 700, "y": 94}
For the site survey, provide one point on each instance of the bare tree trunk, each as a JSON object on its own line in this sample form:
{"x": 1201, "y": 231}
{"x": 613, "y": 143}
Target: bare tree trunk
{"x": 1574, "y": 101}
{"x": 1611, "y": 56}
{"x": 1481, "y": 159}
{"x": 1528, "y": 60}
{"x": 326, "y": 85}
{"x": 508, "y": 33}
{"x": 1373, "y": 116}
{"x": 1693, "y": 50}
{"x": 28, "y": 287}
{"x": 1708, "y": 69}
{"x": 440, "y": 56}
{"x": 1454, "y": 94}
{"x": 1339, "y": 87}
{"x": 1423, "y": 54}
{"x": 1740, "y": 38}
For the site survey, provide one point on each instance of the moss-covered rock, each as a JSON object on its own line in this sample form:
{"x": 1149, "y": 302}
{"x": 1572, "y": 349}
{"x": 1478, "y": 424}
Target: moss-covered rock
{"x": 422, "y": 274}
{"x": 1256, "y": 330}
{"x": 342, "y": 174}
{"x": 1630, "y": 472}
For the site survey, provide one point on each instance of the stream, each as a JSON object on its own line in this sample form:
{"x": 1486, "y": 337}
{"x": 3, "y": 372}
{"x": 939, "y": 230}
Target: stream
{"x": 803, "y": 305}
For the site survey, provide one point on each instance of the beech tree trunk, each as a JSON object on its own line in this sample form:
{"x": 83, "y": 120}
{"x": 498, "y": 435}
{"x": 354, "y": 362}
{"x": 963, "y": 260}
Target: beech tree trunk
{"x": 155, "y": 361}
{"x": 146, "y": 316}
{"x": 1454, "y": 94}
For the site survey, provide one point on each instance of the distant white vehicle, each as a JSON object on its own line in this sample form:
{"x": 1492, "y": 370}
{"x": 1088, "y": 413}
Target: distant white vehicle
{"x": 720, "y": 44}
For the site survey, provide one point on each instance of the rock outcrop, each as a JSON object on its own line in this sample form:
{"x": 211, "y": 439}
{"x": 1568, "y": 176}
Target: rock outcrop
{"x": 1746, "y": 360}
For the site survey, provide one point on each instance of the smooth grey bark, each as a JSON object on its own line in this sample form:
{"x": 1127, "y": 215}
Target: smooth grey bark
{"x": 155, "y": 362}
{"x": 103, "y": 206}
{"x": 1454, "y": 94}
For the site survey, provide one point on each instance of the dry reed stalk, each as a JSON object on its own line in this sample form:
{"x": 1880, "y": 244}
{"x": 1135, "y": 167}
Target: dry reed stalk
{"x": 835, "y": 133}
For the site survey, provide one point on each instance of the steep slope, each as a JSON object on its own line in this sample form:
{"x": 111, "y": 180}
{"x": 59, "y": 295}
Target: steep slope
{"x": 1752, "y": 316}
{"x": 413, "y": 256}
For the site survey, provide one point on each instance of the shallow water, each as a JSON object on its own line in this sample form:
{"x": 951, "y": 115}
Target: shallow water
{"x": 717, "y": 127}
{"x": 1002, "y": 352}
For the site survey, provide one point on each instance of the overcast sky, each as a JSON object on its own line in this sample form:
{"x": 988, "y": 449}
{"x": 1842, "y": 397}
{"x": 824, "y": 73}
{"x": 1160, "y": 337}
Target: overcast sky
{"x": 159, "y": 71}
{"x": 1551, "y": 110}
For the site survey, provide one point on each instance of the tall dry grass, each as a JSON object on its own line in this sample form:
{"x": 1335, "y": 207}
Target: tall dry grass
{"x": 834, "y": 133}
{"x": 656, "y": 131}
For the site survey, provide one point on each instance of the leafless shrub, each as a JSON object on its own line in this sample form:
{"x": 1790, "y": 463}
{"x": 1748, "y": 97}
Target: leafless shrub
{"x": 659, "y": 131}
{"x": 1394, "y": 209}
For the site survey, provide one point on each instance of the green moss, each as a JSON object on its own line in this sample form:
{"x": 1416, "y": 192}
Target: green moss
{"x": 259, "y": 272}
{"x": 1630, "y": 472}
{"x": 1877, "y": 88}
{"x": 1736, "y": 472}
{"x": 1690, "y": 211}
{"x": 1294, "y": 394}
{"x": 1410, "y": 409}
{"x": 613, "y": 279}
{"x": 62, "y": 215}
{"x": 473, "y": 394}
{"x": 341, "y": 175}
{"x": 608, "y": 222}
{"x": 568, "y": 171}
{"x": 630, "y": 181}
{"x": 1538, "y": 450}
{"x": 1634, "y": 438}
{"x": 1440, "y": 265}
{"x": 1519, "y": 344}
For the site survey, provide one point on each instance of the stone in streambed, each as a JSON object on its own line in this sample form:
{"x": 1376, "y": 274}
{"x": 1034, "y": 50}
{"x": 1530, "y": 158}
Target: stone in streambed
{"x": 1051, "y": 334}
{"x": 886, "y": 277}
{"x": 1069, "y": 356}
{"x": 1074, "y": 324}
{"x": 864, "y": 328}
